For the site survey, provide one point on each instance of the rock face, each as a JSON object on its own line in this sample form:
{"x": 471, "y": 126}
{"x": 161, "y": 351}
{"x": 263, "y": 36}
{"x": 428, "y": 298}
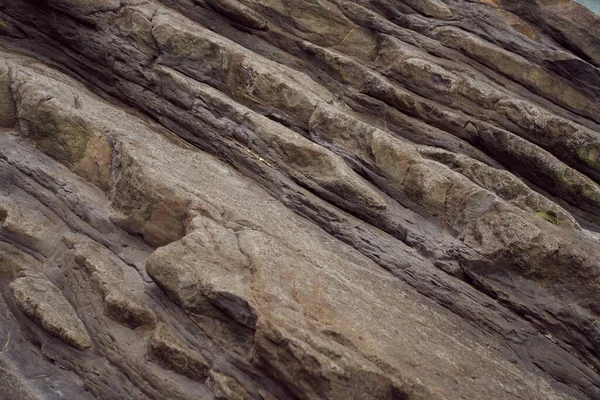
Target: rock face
{"x": 284, "y": 199}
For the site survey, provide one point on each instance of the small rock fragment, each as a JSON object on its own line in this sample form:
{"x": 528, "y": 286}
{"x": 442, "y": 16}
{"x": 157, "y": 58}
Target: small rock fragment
{"x": 107, "y": 277}
{"x": 227, "y": 388}
{"x": 39, "y": 299}
{"x": 239, "y": 13}
{"x": 431, "y": 8}
{"x": 169, "y": 352}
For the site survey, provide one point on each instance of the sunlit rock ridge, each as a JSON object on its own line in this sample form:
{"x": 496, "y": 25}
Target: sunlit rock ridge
{"x": 294, "y": 199}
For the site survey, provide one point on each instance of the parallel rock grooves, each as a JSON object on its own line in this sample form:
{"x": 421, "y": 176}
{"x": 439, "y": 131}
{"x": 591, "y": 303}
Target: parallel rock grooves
{"x": 412, "y": 214}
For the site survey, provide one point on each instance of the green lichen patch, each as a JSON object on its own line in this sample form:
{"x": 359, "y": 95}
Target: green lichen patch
{"x": 592, "y": 192}
{"x": 548, "y": 215}
{"x": 197, "y": 46}
{"x": 579, "y": 187}
{"x": 63, "y": 137}
{"x": 590, "y": 155}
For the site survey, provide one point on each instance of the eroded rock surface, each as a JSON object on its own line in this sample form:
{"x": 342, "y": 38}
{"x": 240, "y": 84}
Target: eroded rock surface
{"x": 281, "y": 199}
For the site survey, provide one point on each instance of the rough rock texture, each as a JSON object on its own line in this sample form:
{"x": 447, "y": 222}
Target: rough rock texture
{"x": 290, "y": 199}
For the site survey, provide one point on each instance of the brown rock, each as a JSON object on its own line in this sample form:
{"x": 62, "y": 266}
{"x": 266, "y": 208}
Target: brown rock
{"x": 431, "y": 8}
{"x": 44, "y": 303}
{"x": 238, "y": 12}
{"x": 227, "y": 388}
{"x": 174, "y": 355}
{"x": 318, "y": 199}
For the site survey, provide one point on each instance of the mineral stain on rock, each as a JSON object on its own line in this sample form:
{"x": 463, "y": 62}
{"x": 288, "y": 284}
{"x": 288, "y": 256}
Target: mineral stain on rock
{"x": 281, "y": 199}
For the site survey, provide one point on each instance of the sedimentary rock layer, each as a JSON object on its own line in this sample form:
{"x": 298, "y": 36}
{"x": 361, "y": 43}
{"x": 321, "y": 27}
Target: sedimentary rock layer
{"x": 281, "y": 199}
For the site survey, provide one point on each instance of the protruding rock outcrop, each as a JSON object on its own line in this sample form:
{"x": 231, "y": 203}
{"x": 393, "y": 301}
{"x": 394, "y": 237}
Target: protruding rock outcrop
{"x": 172, "y": 354}
{"x": 43, "y": 302}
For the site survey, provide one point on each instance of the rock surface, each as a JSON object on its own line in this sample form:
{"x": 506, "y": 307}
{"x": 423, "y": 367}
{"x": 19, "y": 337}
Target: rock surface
{"x": 282, "y": 199}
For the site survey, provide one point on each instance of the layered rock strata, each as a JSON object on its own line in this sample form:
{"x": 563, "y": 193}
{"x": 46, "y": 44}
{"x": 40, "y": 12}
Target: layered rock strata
{"x": 281, "y": 199}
